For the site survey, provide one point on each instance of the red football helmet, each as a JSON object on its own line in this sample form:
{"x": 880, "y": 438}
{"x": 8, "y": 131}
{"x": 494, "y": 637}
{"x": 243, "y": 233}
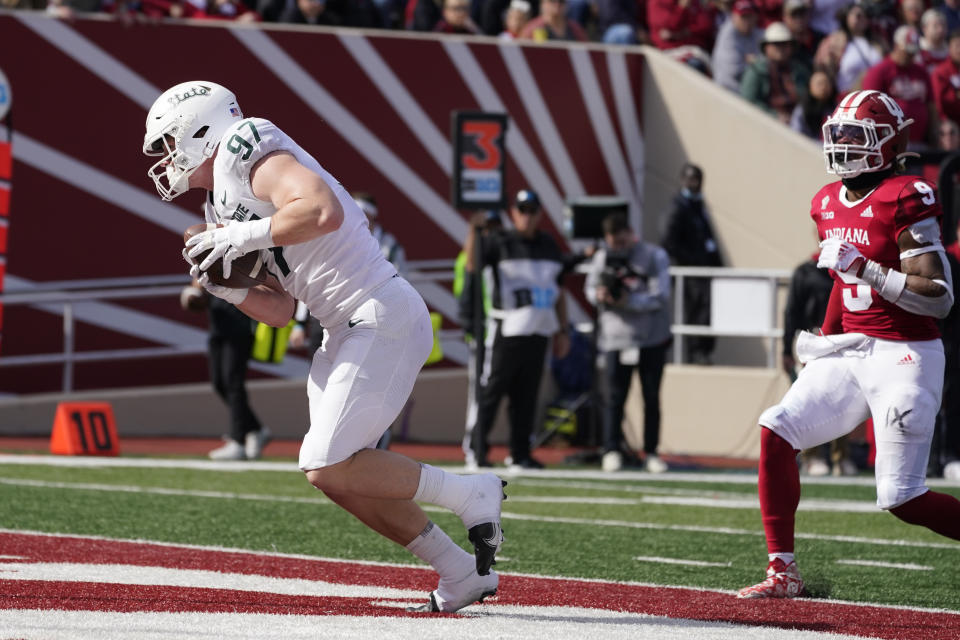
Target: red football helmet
{"x": 867, "y": 132}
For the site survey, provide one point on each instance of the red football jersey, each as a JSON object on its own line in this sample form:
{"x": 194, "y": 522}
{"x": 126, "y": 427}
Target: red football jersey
{"x": 873, "y": 225}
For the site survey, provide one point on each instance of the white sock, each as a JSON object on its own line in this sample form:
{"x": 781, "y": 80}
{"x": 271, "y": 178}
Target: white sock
{"x": 444, "y": 489}
{"x": 787, "y": 558}
{"x": 435, "y": 547}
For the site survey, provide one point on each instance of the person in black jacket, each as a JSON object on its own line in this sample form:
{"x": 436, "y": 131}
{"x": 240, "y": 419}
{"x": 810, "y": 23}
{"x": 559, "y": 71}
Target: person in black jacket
{"x": 945, "y": 449}
{"x": 229, "y": 343}
{"x": 690, "y": 241}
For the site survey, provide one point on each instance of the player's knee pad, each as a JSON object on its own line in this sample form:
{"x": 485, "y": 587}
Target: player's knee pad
{"x": 892, "y": 493}
{"x": 778, "y": 420}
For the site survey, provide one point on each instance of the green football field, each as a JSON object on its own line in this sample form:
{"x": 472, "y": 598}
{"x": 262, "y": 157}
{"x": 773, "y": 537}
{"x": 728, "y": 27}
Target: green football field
{"x": 683, "y": 529}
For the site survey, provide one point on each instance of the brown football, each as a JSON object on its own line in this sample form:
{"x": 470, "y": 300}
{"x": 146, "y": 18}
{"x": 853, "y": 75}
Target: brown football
{"x": 246, "y": 271}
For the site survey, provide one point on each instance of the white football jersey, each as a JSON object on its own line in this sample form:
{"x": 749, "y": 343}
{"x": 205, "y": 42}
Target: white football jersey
{"x": 330, "y": 274}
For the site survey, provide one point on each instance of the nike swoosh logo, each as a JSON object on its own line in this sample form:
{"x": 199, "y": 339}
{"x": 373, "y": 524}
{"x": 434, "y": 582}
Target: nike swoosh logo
{"x": 494, "y": 540}
{"x": 353, "y": 323}
{"x": 223, "y": 198}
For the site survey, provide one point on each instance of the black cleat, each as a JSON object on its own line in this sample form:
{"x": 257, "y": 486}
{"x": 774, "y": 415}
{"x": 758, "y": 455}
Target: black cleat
{"x": 486, "y": 539}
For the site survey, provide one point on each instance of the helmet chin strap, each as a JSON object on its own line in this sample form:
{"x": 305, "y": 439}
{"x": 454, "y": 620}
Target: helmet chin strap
{"x": 867, "y": 180}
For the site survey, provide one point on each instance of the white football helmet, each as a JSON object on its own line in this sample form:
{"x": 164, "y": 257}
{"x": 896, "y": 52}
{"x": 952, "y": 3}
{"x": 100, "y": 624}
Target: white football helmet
{"x": 184, "y": 126}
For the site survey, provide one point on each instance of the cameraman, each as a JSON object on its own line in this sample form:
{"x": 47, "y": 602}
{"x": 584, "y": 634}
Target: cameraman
{"x": 629, "y": 282}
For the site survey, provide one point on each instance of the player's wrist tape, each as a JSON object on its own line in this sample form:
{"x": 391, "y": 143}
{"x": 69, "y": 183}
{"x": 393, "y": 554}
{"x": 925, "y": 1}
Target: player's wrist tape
{"x": 892, "y": 286}
{"x": 254, "y": 235}
{"x": 889, "y": 285}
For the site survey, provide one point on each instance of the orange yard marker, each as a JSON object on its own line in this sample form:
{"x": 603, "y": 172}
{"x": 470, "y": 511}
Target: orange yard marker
{"x": 84, "y": 429}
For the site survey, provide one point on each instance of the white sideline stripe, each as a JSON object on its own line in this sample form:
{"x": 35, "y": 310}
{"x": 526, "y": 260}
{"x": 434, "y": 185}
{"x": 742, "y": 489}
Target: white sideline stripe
{"x": 404, "y": 104}
{"x": 620, "y": 481}
{"x": 475, "y": 79}
{"x": 542, "y": 120}
{"x": 326, "y": 106}
{"x": 476, "y": 621}
{"x": 163, "y": 576}
{"x": 841, "y": 506}
{"x": 95, "y": 59}
{"x": 98, "y": 462}
{"x": 163, "y": 491}
{"x": 856, "y": 506}
{"x": 656, "y": 526}
{"x": 887, "y": 565}
{"x": 692, "y": 563}
{"x": 629, "y": 126}
{"x": 633, "y": 487}
{"x": 599, "y": 121}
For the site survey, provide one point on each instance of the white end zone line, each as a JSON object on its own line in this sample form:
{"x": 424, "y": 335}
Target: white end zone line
{"x": 371, "y": 563}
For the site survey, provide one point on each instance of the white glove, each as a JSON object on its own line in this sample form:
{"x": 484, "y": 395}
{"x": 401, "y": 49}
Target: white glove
{"x": 233, "y": 296}
{"x": 229, "y": 242}
{"x": 841, "y": 256}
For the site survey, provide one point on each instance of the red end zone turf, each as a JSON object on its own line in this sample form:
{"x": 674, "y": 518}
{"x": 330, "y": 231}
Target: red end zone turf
{"x": 61, "y": 554}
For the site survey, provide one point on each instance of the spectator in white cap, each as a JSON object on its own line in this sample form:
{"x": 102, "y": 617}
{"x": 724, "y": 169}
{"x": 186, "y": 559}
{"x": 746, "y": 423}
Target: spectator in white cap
{"x": 775, "y": 81}
{"x": 515, "y": 18}
{"x": 738, "y": 44}
{"x": 901, "y": 78}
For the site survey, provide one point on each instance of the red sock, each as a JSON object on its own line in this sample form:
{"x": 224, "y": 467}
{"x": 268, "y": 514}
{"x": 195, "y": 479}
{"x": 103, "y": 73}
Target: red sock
{"x": 936, "y": 511}
{"x": 779, "y": 486}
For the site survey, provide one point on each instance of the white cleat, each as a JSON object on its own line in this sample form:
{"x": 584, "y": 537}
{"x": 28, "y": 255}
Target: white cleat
{"x": 450, "y": 597}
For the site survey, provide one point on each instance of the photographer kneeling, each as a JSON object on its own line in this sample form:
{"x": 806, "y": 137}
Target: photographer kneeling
{"x": 629, "y": 283}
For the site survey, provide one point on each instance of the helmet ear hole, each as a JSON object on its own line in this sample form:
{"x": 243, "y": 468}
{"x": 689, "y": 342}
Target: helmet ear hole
{"x": 202, "y": 131}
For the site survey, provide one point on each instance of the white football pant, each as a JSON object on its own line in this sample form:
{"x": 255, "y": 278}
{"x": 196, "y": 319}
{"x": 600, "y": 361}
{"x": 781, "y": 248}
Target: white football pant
{"x": 363, "y": 374}
{"x": 897, "y": 383}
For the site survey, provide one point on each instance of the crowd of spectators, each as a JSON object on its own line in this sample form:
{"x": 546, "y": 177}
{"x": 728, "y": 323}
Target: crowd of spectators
{"x": 795, "y": 59}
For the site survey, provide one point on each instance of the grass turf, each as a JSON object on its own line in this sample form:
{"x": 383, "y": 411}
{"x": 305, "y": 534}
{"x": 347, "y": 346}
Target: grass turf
{"x": 279, "y": 511}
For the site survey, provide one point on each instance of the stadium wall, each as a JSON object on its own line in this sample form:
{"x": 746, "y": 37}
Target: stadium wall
{"x": 584, "y": 120}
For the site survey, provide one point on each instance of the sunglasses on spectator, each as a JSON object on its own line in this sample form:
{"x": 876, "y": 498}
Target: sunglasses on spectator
{"x": 528, "y": 209}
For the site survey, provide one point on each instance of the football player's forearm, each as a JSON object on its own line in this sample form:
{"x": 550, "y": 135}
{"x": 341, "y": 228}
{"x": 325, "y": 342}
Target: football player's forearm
{"x": 267, "y": 305}
{"x": 304, "y": 219}
{"x": 920, "y": 294}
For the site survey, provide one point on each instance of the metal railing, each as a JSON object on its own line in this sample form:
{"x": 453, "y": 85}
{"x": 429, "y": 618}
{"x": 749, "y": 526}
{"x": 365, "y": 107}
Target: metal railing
{"x": 66, "y": 294}
{"x": 774, "y": 278}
